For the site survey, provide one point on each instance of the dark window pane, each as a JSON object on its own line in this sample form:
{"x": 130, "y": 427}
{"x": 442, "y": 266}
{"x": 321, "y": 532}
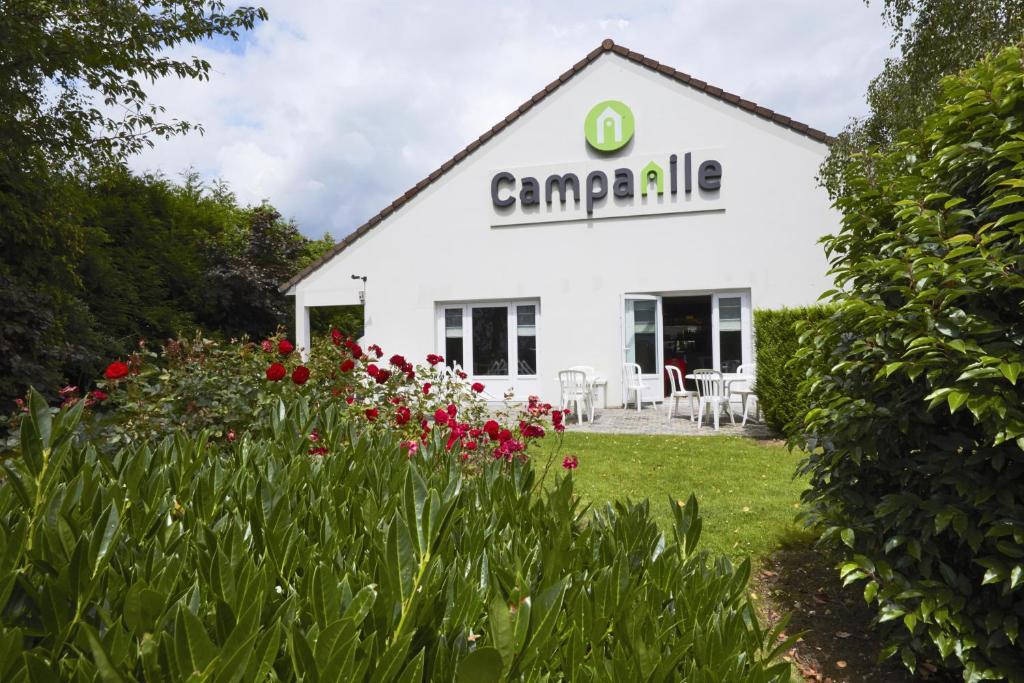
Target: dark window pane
{"x": 527, "y": 345}
{"x": 453, "y": 352}
{"x": 731, "y": 350}
{"x": 490, "y": 341}
{"x": 646, "y": 352}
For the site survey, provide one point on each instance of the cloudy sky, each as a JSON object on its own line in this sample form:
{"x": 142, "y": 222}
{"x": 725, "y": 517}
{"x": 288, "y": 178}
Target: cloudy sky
{"x": 332, "y": 109}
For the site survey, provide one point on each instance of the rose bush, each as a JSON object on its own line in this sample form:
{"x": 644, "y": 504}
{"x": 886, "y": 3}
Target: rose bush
{"x": 198, "y": 384}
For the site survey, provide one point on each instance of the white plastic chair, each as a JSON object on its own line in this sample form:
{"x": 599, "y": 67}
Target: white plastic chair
{"x": 747, "y": 391}
{"x": 632, "y": 382}
{"x": 712, "y": 393}
{"x": 590, "y": 373}
{"x": 675, "y": 377}
{"x": 575, "y": 390}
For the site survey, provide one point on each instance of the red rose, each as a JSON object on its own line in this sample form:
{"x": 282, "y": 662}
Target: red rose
{"x": 397, "y": 360}
{"x": 505, "y": 435}
{"x": 116, "y": 370}
{"x": 284, "y": 347}
{"x": 350, "y": 400}
{"x": 477, "y": 387}
{"x": 492, "y": 428}
{"x": 556, "y": 417}
{"x": 402, "y": 415}
{"x": 98, "y": 395}
{"x": 382, "y": 375}
{"x": 426, "y": 388}
{"x": 300, "y": 375}
{"x": 462, "y": 375}
{"x": 469, "y": 445}
{"x": 372, "y": 370}
{"x": 347, "y": 365}
{"x": 276, "y": 372}
{"x": 336, "y": 336}
{"x": 371, "y": 414}
{"x": 441, "y": 416}
{"x": 452, "y": 410}
{"x": 377, "y": 351}
{"x": 434, "y": 359}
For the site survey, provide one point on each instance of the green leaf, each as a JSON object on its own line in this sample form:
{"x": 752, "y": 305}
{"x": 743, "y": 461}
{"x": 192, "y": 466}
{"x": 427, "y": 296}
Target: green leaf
{"x": 483, "y": 665}
{"x": 108, "y": 672}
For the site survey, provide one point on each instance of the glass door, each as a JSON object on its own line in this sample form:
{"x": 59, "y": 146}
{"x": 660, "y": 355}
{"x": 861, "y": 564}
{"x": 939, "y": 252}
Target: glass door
{"x": 730, "y": 328}
{"x": 641, "y": 344}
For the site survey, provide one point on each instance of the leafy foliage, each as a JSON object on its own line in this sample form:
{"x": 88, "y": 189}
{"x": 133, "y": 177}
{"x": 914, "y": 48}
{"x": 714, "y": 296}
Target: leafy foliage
{"x": 58, "y": 59}
{"x": 916, "y": 430}
{"x": 778, "y": 379}
{"x": 191, "y": 557}
{"x": 934, "y": 38}
{"x": 151, "y": 259}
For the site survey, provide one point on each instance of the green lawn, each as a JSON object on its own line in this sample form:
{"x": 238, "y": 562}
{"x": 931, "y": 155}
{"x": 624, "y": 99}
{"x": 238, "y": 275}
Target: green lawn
{"x": 745, "y": 488}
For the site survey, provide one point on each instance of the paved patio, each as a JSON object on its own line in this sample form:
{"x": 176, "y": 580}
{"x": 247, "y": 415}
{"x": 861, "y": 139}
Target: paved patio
{"x": 655, "y": 421}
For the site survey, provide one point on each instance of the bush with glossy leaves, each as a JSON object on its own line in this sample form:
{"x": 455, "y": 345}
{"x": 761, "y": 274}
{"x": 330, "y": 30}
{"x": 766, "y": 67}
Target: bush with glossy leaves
{"x": 915, "y": 436}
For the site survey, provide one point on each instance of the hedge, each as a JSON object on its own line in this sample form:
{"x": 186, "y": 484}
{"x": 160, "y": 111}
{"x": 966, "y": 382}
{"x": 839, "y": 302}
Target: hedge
{"x": 915, "y": 441}
{"x": 777, "y": 339}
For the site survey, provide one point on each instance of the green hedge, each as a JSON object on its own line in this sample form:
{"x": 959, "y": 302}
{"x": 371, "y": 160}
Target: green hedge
{"x": 198, "y": 559}
{"x": 915, "y": 442}
{"x": 777, "y": 339}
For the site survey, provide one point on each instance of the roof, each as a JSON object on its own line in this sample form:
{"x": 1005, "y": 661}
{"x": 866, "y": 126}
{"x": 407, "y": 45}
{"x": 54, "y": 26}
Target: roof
{"x": 607, "y": 45}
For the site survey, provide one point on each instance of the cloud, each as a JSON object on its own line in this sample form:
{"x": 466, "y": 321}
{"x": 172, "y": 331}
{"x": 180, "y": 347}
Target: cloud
{"x": 331, "y": 110}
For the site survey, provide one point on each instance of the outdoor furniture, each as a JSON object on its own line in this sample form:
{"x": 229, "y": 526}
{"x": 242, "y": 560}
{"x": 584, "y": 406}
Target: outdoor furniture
{"x": 591, "y": 375}
{"x": 712, "y": 393}
{"x": 575, "y": 391}
{"x": 677, "y": 391}
{"x": 746, "y": 389}
{"x": 631, "y": 382}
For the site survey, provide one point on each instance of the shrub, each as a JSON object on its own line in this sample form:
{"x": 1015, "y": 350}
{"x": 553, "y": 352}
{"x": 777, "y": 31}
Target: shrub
{"x": 778, "y": 379}
{"x": 916, "y": 435}
{"x": 256, "y": 559}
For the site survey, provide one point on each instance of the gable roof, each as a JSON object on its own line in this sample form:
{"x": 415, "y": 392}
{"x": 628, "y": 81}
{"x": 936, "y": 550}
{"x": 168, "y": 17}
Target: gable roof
{"x": 607, "y": 45}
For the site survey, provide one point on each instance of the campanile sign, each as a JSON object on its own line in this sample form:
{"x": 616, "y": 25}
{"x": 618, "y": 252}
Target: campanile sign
{"x": 611, "y": 186}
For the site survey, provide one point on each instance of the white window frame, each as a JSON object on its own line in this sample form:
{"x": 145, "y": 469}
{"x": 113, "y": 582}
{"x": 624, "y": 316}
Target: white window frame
{"x": 467, "y": 333}
{"x": 745, "y": 326}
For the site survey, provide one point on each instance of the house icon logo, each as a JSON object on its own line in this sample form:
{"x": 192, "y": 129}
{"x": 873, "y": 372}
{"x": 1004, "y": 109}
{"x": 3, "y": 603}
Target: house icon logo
{"x": 609, "y": 126}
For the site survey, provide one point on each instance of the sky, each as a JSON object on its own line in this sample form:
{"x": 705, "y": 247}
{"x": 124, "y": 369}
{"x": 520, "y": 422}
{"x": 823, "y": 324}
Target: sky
{"x": 331, "y": 110}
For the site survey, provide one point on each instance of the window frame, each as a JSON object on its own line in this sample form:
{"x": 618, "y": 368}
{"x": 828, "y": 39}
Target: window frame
{"x": 512, "y": 341}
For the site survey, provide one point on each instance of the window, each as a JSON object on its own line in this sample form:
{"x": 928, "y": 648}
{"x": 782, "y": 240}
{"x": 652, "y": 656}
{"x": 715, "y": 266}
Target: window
{"x": 730, "y": 333}
{"x": 493, "y": 339}
{"x": 490, "y": 340}
{"x": 526, "y": 339}
{"x": 645, "y": 335}
{"x": 453, "y": 351}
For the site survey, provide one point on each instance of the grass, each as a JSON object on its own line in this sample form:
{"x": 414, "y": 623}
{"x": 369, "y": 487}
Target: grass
{"x": 745, "y": 488}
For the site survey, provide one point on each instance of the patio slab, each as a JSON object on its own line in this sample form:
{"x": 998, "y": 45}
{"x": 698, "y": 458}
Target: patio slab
{"x": 655, "y": 421}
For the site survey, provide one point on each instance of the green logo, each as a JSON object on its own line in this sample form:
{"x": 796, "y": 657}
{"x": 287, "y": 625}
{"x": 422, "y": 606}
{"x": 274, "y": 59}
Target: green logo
{"x": 609, "y": 126}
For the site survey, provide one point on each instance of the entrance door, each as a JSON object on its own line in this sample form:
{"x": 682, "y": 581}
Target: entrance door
{"x": 641, "y": 340}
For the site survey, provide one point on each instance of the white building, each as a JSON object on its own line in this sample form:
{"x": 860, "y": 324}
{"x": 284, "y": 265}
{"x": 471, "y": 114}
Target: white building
{"x": 626, "y": 212}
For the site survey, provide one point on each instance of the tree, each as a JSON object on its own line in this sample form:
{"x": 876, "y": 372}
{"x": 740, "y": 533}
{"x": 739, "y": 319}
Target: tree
{"x": 58, "y": 58}
{"x": 934, "y": 38}
{"x": 915, "y": 432}
{"x": 72, "y": 103}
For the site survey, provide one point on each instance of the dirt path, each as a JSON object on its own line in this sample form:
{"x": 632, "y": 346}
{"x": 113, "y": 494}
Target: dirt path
{"x": 839, "y": 644}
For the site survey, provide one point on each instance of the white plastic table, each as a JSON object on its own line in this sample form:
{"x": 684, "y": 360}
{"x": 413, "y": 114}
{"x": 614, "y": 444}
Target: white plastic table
{"x": 730, "y": 378}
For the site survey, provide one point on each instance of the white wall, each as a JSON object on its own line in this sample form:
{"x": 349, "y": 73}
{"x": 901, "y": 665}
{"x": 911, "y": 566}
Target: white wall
{"x": 441, "y": 246}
